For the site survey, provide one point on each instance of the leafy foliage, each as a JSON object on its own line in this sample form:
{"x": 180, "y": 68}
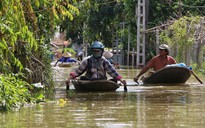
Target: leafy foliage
{"x": 180, "y": 35}
{"x": 95, "y": 22}
{"x": 103, "y": 18}
{"x": 26, "y": 28}
{"x": 160, "y": 11}
{"x": 14, "y": 92}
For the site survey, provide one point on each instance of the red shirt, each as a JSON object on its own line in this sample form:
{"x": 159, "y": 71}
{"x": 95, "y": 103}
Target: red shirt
{"x": 158, "y": 62}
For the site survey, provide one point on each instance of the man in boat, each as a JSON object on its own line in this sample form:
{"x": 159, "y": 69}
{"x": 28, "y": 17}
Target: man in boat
{"x": 66, "y": 57}
{"x": 96, "y": 66}
{"x": 108, "y": 55}
{"x": 158, "y": 62}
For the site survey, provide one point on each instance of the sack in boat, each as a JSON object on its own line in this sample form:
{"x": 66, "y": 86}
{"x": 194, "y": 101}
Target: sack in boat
{"x": 180, "y": 65}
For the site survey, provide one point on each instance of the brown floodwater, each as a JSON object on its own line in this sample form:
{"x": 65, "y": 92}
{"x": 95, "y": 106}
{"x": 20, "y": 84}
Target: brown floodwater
{"x": 160, "y": 106}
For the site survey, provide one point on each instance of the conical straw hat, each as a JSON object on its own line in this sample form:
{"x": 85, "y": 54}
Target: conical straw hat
{"x": 66, "y": 54}
{"x": 107, "y": 54}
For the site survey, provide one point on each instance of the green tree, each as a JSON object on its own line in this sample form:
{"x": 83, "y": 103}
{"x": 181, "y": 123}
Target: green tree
{"x": 26, "y": 28}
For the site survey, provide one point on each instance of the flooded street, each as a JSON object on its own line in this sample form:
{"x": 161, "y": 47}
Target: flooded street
{"x": 153, "y": 106}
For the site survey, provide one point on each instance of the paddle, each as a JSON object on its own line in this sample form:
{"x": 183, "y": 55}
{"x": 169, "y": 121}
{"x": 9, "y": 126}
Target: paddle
{"x": 67, "y": 85}
{"x": 125, "y": 88}
{"x": 190, "y": 68}
{"x": 192, "y": 72}
{"x": 67, "y": 82}
{"x": 124, "y": 84}
{"x": 56, "y": 63}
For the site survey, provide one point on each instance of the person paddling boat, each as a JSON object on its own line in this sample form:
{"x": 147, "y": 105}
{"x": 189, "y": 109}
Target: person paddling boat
{"x": 66, "y": 57}
{"x": 158, "y": 62}
{"x": 95, "y": 66}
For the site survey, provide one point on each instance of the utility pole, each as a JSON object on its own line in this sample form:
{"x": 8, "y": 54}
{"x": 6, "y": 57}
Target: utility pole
{"x": 141, "y": 16}
{"x": 180, "y": 8}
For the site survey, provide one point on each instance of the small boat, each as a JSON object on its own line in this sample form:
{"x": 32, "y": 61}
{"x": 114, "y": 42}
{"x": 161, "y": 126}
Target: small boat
{"x": 66, "y": 64}
{"x": 95, "y": 86}
{"x": 170, "y": 74}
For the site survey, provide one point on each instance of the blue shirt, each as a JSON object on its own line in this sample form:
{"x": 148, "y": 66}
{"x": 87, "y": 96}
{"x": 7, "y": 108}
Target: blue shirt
{"x": 67, "y": 59}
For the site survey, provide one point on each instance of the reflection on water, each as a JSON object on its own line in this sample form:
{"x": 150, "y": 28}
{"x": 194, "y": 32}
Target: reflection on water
{"x": 170, "y": 106}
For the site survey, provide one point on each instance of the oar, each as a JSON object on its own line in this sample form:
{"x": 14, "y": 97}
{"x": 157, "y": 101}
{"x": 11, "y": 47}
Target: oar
{"x": 196, "y": 76}
{"x": 67, "y": 82}
{"x": 67, "y": 85}
{"x": 192, "y": 72}
{"x": 125, "y": 88}
{"x": 56, "y": 63}
{"x": 124, "y": 84}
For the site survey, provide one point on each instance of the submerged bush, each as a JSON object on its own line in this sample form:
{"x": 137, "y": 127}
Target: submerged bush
{"x": 14, "y": 92}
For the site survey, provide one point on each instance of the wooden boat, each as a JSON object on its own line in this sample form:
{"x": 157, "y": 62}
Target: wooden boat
{"x": 95, "y": 86}
{"x": 171, "y": 74}
{"x": 66, "y": 64}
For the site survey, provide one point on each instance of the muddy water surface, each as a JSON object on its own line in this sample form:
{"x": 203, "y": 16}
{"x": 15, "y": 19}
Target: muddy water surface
{"x": 158, "y": 106}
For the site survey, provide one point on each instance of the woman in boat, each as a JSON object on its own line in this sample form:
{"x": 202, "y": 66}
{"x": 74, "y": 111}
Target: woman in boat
{"x": 66, "y": 57}
{"x": 158, "y": 62}
{"x": 96, "y": 66}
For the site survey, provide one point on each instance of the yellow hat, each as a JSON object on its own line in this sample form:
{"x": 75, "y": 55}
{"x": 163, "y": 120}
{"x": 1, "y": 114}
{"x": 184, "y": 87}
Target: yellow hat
{"x": 66, "y": 54}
